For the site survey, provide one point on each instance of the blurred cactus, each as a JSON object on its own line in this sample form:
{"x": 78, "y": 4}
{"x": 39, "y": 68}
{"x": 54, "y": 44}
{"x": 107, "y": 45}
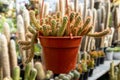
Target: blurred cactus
{"x": 16, "y": 73}
{"x": 107, "y": 14}
{"x": 33, "y": 74}
{"x": 4, "y": 57}
{"x": 112, "y": 72}
{"x": 63, "y": 26}
{"x": 40, "y": 71}
{"x": 28, "y": 68}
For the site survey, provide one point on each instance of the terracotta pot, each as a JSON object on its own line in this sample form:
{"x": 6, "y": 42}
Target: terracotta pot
{"x": 60, "y": 53}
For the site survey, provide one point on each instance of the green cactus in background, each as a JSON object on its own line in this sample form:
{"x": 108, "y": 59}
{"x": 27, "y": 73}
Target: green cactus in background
{"x": 16, "y": 73}
{"x": 33, "y": 74}
{"x": 40, "y": 71}
{"x": 103, "y": 12}
{"x": 107, "y": 14}
{"x": 118, "y": 75}
{"x": 63, "y": 26}
{"x": 112, "y": 72}
{"x": 28, "y": 68}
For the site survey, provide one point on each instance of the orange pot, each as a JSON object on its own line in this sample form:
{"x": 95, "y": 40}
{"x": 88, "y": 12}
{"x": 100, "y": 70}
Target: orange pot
{"x": 60, "y": 53}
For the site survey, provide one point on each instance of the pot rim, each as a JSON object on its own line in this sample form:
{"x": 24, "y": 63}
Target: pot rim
{"x": 58, "y": 37}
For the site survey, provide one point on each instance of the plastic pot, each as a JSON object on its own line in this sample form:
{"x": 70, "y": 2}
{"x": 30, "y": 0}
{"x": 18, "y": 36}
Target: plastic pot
{"x": 81, "y": 76}
{"x": 60, "y": 53}
{"x": 102, "y": 59}
{"x": 116, "y": 55}
{"x": 91, "y": 72}
{"x": 109, "y": 55}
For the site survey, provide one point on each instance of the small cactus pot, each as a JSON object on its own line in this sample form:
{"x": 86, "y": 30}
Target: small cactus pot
{"x": 60, "y": 53}
{"x": 81, "y": 76}
{"x": 98, "y": 61}
{"x": 86, "y": 75}
{"x": 116, "y": 55}
{"x": 109, "y": 55}
{"x": 91, "y": 72}
{"x": 102, "y": 59}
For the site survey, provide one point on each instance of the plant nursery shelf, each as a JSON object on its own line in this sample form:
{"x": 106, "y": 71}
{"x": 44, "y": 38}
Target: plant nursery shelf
{"x": 102, "y": 69}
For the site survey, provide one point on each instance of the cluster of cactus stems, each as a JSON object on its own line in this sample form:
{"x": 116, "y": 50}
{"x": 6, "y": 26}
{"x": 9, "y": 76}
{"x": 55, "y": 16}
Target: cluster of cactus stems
{"x": 8, "y": 53}
{"x": 113, "y": 72}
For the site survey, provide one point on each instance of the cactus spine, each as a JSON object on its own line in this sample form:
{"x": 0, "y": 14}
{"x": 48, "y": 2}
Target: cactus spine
{"x": 28, "y": 68}
{"x": 16, "y": 73}
{"x": 40, "y": 71}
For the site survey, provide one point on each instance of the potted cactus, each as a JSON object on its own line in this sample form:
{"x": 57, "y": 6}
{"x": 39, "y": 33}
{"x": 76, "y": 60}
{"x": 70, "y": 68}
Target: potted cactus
{"x": 90, "y": 64}
{"x": 109, "y": 53}
{"x": 82, "y": 68}
{"x": 95, "y": 56}
{"x": 102, "y": 56}
{"x": 60, "y": 35}
{"x": 116, "y": 54}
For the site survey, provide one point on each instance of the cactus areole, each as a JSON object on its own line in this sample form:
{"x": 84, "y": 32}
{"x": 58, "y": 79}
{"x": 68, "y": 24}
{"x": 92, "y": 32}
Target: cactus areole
{"x": 60, "y": 53}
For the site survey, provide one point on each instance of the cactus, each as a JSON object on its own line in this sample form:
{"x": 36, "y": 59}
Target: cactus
{"x": 33, "y": 74}
{"x": 72, "y": 16}
{"x": 112, "y": 72}
{"x": 99, "y": 34}
{"x": 87, "y": 23}
{"x": 116, "y": 18}
{"x": 6, "y": 31}
{"x": 40, "y": 71}
{"x": 118, "y": 75}
{"x": 30, "y": 45}
{"x": 107, "y": 14}
{"x": 76, "y": 74}
{"x": 34, "y": 21}
{"x": 49, "y": 74}
{"x": 76, "y": 5}
{"x": 103, "y": 12}
{"x": 91, "y": 4}
{"x": 46, "y": 9}
{"x": 28, "y": 68}
{"x": 63, "y": 26}
{"x": 46, "y": 30}
{"x": 16, "y": 73}
{"x": 13, "y": 55}
{"x": 26, "y": 19}
{"x": 62, "y": 7}
{"x": 21, "y": 34}
{"x": 53, "y": 26}
{"x": 4, "y": 56}
{"x": 85, "y": 10}
{"x": 57, "y": 6}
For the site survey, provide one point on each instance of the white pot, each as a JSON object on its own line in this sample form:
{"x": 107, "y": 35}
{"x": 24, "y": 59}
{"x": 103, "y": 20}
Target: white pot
{"x": 116, "y": 55}
{"x": 109, "y": 55}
